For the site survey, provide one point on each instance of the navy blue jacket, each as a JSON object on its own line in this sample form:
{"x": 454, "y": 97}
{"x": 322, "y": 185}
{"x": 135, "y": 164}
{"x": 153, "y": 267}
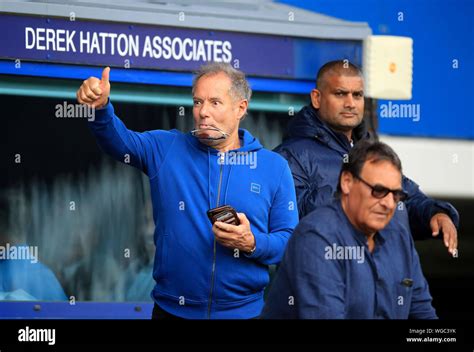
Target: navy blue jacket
{"x": 315, "y": 154}
{"x": 328, "y": 272}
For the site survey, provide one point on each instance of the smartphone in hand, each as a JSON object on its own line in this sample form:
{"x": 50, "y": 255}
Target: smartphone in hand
{"x": 224, "y": 213}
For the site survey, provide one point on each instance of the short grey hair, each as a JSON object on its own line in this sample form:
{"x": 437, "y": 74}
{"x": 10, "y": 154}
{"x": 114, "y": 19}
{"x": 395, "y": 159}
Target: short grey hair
{"x": 239, "y": 89}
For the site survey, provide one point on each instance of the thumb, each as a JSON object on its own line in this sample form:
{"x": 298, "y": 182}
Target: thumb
{"x": 105, "y": 75}
{"x": 243, "y": 218}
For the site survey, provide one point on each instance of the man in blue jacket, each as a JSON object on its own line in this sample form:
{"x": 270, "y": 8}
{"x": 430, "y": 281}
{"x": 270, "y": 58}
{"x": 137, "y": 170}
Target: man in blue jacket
{"x": 354, "y": 258}
{"x": 202, "y": 270}
{"x": 320, "y": 137}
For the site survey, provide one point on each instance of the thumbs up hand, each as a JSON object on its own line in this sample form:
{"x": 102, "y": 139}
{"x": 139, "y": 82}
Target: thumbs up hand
{"x": 95, "y": 92}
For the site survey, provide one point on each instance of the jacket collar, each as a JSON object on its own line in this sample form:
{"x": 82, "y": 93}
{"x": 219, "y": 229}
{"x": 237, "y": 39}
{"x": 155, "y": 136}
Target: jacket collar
{"x": 308, "y": 124}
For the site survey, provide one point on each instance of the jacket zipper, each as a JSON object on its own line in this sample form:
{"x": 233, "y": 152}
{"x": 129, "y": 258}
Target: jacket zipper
{"x": 215, "y": 242}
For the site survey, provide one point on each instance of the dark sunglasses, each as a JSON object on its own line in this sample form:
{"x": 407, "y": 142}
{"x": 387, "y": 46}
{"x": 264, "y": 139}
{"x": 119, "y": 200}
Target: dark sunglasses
{"x": 381, "y": 192}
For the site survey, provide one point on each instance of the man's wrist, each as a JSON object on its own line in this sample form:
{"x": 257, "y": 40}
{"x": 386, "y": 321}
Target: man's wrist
{"x": 252, "y": 250}
{"x": 103, "y": 106}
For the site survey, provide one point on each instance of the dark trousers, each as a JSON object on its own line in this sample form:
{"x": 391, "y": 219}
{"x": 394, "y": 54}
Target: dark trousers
{"x": 161, "y": 314}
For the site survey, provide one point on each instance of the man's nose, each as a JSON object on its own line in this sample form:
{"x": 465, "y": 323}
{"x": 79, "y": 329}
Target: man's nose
{"x": 204, "y": 110}
{"x": 349, "y": 101}
{"x": 388, "y": 201}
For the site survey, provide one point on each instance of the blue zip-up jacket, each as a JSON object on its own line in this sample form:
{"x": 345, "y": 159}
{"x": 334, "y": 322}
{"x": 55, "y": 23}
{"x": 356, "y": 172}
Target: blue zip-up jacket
{"x": 195, "y": 277}
{"x": 328, "y": 272}
{"x": 315, "y": 154}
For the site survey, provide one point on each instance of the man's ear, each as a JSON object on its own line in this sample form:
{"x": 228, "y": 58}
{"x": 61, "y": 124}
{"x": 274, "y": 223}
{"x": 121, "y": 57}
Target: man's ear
{"x": 347, "y": 180}
{"x": 243, "y": 105}
{"x": 316, "y": 98}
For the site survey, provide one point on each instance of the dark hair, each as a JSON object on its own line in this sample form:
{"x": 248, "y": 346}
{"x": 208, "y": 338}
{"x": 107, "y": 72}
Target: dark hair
{"x": 368, "y": 150}
{"x": 340, "y": 67}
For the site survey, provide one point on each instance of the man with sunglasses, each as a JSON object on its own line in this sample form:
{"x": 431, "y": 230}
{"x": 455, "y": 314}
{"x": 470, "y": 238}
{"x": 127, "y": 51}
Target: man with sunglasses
{"x": 351, "y": 259}
{"x": 319, "y": 138}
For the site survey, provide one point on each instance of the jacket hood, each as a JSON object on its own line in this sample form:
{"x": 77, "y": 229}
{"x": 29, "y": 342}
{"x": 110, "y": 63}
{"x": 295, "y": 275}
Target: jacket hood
{"x": 249, "y": 142}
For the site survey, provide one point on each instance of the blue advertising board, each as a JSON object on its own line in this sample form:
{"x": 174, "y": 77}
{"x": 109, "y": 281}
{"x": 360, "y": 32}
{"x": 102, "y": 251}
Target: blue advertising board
{"x": 140, "y": 46}
{"x": 133, "y": 46}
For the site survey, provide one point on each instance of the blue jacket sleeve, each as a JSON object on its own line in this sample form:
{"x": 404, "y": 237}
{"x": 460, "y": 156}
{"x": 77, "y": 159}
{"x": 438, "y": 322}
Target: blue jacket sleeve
{"x": 421, "y": 209}
{"x": 421, "y": 306}
{"x": 144, "y": 150}
{"x": 318, "y": 284}
{"x": 308, "y": 195}
{"x": 283, "y": 218}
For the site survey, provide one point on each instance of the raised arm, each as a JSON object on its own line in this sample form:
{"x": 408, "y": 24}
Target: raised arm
{"x": 144, "y": 150}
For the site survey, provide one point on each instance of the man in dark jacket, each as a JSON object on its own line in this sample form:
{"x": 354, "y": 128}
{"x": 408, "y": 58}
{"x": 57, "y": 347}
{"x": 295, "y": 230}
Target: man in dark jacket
{"x": 319, "y": 139}
{"x": 352, "y": 259}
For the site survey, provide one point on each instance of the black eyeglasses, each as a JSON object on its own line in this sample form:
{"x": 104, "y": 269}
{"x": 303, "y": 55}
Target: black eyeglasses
{"x": 380, "y": 192}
